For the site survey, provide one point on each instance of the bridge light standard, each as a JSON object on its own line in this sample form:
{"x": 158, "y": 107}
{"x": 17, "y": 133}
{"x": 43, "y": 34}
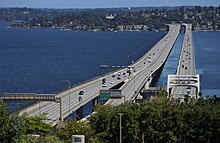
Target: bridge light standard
{"x": 39, "y": 105}
{"x": 69, "y": 91}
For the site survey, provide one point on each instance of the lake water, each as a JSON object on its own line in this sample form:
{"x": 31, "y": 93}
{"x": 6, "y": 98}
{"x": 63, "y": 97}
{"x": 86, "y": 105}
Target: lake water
{"x": 37, "y": 60}
{"x": 170, "y": 66}
{"x": 207, "y": 51}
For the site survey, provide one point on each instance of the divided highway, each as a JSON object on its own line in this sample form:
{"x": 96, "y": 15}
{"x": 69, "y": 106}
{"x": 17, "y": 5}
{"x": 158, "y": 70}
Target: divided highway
{"x": 186, "y": 64}
{"x": 159, "y": 53}
{"x": 141, "y": 71}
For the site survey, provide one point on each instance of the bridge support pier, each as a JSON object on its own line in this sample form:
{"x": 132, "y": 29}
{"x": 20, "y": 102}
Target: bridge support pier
{"x": 148, "y": 82}
{"x": 147, "y": 93}
{"x": 79, "y": 113}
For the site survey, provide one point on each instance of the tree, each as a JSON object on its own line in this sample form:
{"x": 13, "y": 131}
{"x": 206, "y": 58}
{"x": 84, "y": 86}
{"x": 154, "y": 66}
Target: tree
{"x": 202, "y": 121}
{"x": 36, "y": 125}
{"x": 12, "y": 126}
{"x": 71, "y": 127}
{"x": 40, "y": 139}
{"x": 106, "y": 122}
{"x": 101, "y": 121}
{"x": 161, "y": 92}
{"x": 160, "y": 120}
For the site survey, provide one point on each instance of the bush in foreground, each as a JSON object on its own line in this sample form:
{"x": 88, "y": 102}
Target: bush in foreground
{"x": 159, "y": 120}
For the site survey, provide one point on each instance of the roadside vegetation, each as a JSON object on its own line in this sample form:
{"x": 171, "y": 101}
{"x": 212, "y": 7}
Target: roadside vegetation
{"x": 158, "y": 120}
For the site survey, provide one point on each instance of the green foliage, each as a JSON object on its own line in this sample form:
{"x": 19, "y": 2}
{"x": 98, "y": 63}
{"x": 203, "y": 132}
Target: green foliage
{"x": 102, "y": 121}
{"x": 11, "y": 126}
{"x": 70, "y": 127}
{"x": 160, "y": 120}
{"x": 106, "y": 122}
{"x": 202, "y": 121}
{"x": 15, "y": 128}
{"x": 161, "y": 92}
{"x": 36, "y": 125}
{"x": 40, "y": 139}
{"x": 90, "y": 19}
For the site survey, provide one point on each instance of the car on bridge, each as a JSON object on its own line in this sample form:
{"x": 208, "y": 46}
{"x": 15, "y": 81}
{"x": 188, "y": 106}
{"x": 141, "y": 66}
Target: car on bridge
{"x": 103, "y": 80}
{"x": 112, "y": 82}
{"x": 104, "y": 85}
{"x": 81, "y": 92}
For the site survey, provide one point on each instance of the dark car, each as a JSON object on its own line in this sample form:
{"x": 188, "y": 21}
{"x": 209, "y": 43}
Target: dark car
{"x": 104, "y": 81}
{"x": 81, "y": 92}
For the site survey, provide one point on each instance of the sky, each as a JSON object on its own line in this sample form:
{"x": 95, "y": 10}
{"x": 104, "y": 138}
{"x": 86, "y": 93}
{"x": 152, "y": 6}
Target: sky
{"x": 104, "y": 3}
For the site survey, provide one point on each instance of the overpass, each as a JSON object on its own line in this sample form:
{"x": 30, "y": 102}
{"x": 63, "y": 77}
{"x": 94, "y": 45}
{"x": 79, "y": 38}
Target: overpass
{"x": 141, "y": 74}
{"x": 185, "y": 83}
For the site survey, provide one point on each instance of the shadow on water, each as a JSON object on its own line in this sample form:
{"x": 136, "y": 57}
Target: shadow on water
{"x": 170, "y": 66}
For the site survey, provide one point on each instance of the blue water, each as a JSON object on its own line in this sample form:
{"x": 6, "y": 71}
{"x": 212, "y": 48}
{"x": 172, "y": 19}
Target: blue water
{"x": 170, "y": 66}
{"x": 36, "y": 60}
{"x": 5, "y": 24}
{"x": 207, "y": 53}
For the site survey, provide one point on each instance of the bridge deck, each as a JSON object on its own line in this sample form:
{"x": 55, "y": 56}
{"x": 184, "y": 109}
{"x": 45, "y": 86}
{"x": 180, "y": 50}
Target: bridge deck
{"x": 186, "y": 66}
{"x": 139, "y": 79}
{"x": 142, "y": 70}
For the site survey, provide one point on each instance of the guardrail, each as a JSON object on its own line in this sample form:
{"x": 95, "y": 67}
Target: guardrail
{"x": 27, "y": 96}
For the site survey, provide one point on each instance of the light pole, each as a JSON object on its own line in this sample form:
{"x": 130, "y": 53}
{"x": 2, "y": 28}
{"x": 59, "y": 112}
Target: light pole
{"x": 134, "y": 85}
{"x": 120, "y": 114}
{"x": 61, "y": 113}
{"x": 39, "y": 105}
{"x": 69, "y": 91}
{"x": 134, "y": 76}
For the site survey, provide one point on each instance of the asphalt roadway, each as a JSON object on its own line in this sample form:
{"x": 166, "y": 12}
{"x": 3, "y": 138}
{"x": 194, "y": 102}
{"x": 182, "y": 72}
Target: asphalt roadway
{"x": 186, "y": 65}
{"x": 141, "y": 71}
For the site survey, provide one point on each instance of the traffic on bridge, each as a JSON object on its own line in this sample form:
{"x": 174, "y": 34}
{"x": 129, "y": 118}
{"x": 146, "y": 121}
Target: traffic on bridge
{"x": 186, "y": 67}
{"x": 132, "y": 78}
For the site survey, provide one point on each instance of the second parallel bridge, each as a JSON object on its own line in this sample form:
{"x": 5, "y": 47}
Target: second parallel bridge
{"x": 186, "y": 82}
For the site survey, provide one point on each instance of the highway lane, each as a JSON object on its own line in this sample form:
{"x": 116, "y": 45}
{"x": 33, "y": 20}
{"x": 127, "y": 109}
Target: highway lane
{"x": 161, "y": 50}
{"x": 186, "y": 65}
{"x": 90, "y": 92}
{"x": 141, "y": 69}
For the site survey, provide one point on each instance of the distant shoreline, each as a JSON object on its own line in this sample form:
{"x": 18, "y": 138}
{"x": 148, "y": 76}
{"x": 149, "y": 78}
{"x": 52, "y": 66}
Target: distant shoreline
{"x": 98, "y": 30}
